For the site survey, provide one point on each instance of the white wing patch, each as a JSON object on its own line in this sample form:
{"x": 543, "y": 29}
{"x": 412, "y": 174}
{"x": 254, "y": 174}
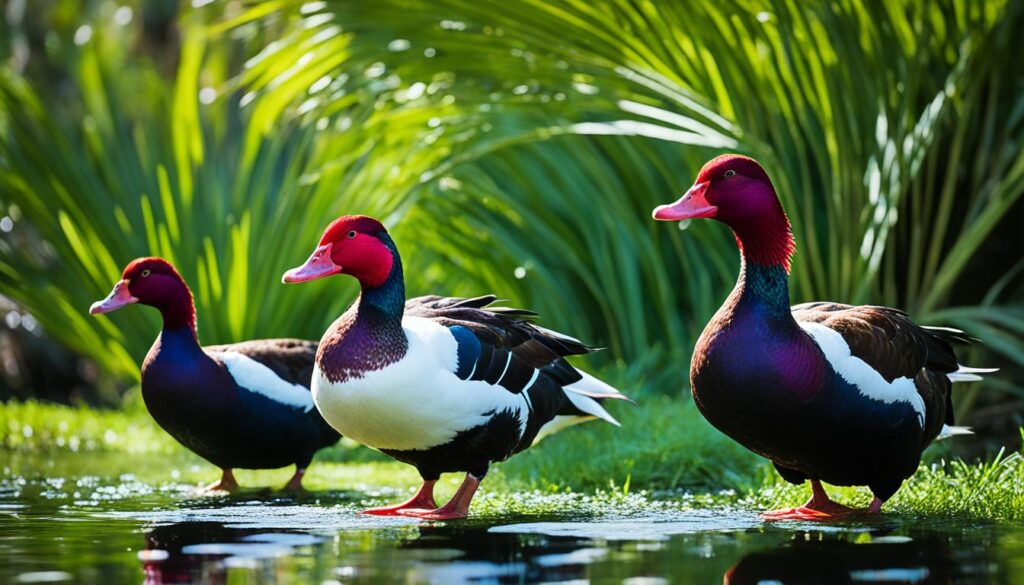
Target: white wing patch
{"x": 417, "y": 402}
{"x": 862, "y": 376}
{"x": 256, "y": 377}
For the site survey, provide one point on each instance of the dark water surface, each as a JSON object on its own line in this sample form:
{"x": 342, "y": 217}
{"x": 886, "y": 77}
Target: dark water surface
{"x": 95, "y": 528}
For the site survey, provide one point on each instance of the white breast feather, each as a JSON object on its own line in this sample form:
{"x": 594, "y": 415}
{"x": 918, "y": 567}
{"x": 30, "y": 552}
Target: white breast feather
{"x": 861, "y": 375}
{"x": 417, "y": 402}
{"x": 256, "y": 377}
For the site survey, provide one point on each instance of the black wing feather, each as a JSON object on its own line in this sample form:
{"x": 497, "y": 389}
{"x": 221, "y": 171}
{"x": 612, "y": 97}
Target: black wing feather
{"x": 892, "y": 344}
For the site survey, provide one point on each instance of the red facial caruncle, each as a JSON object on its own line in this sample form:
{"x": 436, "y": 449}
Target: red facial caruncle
{"x": 350, "y": 245}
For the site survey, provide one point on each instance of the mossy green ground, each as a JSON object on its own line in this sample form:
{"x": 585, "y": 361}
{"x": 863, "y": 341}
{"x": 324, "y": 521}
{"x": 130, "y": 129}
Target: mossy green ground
{"x": 664, "y": 454}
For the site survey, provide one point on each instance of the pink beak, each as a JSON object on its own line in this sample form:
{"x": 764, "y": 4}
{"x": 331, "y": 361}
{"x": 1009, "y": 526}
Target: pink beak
{"x": 319, "y": 265}
{"x": 117, "y": 298}
{"x": 692, "y": 204}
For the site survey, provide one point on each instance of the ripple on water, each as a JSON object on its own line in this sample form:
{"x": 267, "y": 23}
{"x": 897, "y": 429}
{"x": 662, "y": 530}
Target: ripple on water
{"x": 659, "y": 527}
{"x": 277, "y": 517}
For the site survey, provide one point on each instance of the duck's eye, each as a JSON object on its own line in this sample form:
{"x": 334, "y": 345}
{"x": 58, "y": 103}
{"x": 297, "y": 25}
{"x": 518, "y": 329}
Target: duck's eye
{"x": 145, "y": 273}
{"x": 729, "y": 173}
{"x": 352, "y": 234}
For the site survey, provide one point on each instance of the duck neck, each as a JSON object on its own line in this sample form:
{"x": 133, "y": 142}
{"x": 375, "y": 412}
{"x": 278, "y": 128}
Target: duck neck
{"x": 766, "y": 240}
{"x": 762, "y": 290}
{"x": 180, "y": 343}
{"x": 179, "y": 314}
{"x": 384, "y": 305}
{"x": 177, "y": 343}
{"x": 369, "y": 335}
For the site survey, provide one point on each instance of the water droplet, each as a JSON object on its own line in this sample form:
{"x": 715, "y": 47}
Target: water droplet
{"x": 398, "y": 45}
{"x": 453, "y": 25}
{"x": 585, "y": 88}
{"x": 207, "y": 95}
{"x": 6, "y": 224}
{"x": 519, "y": 272}
{"x": 83, "y": 34}
{"x": 415, "y": 91}
{"x": 123, "y": 15}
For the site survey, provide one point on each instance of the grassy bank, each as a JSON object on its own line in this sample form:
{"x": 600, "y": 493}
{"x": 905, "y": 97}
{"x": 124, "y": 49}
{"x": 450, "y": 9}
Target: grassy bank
{"x": 664, "y": 454}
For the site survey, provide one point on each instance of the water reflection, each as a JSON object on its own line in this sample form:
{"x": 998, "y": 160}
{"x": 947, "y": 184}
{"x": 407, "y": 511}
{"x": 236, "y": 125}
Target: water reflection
{"x": 475, "y": 552}
{"x": 90, "y": 529}
{"x": 207, "y": 552}
{"x": 838, "y": 560}
{"x": 202, "y": 552}
{"x": 164, "y": 562}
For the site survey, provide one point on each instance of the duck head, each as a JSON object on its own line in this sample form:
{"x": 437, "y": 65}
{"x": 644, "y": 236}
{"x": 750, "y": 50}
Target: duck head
{"x": 736, "y": 191}
{"x": 355, "y": 245}
{"x": 154, "y": 282}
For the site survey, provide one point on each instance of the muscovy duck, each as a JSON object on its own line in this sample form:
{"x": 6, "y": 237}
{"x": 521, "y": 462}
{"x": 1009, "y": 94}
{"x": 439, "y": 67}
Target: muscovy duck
{"x": 848, "y": 395}
{"x": 443, "y": 384}
{"x": 243, "y": 405}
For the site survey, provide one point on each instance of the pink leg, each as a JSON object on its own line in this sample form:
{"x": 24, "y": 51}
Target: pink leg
{"x": 457, "y": 507}
{"x": 821, "y": 508}
{"x": 227, "y": 483}
{"x": 424, "y": 498}
{"x": 295, "y": 483}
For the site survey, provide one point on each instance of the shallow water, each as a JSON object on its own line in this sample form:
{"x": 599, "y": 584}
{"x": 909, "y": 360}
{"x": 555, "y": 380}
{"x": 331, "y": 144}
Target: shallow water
{"x": 96, "y": 525}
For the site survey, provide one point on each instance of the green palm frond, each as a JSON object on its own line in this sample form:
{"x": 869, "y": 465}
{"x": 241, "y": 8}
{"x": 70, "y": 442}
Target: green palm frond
{"x": 518, "y": 147}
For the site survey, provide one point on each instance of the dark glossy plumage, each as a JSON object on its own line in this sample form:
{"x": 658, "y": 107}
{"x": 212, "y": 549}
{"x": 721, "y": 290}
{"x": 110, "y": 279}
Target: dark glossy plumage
{"x": 848, "y": 395}
{"x": 896, "y": 347}
{"x": 242, "y": 405}
{"x": 192, "y": 394}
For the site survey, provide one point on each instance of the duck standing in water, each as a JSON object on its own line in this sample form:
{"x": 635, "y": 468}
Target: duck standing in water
{"x": 847, "y": 395}
{"x": 443, "y": 384}
{"x": 244, "y": 405}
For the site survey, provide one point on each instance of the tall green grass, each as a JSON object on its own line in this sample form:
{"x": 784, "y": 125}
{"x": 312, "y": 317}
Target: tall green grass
{"x": 183, "y": 169}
